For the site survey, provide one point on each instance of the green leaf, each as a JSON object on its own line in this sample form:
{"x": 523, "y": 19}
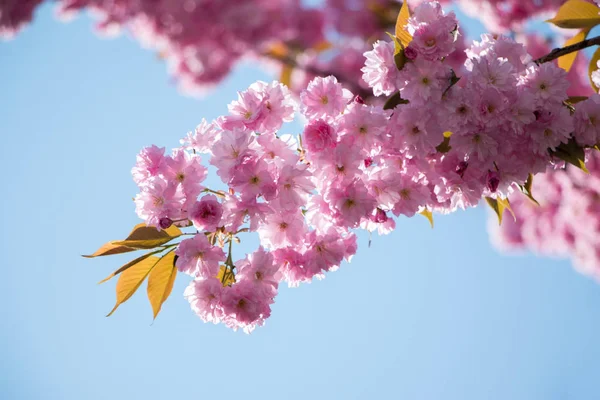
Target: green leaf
{"x": 594, "y": 67}
{"x": 576, "y": 14}
{"x": 160, "y": 282}
{"x": 566, "y": 61}
{"x": 394, "y": 101}
{"x": 571, "y": 153}
{"x": 526, "y": 189}
{"x": 429, "y": 215}
{"x": 499, "y": 205}
{"x": 401, "y": 33}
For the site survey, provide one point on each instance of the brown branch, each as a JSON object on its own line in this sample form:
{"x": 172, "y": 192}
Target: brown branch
{"x": 352, "y": 86}
{"x": 556, "y": 53}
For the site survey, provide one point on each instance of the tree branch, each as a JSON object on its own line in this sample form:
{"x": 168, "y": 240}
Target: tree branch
{"x": 352, "y": 86}
{"x": 556, "y": 53}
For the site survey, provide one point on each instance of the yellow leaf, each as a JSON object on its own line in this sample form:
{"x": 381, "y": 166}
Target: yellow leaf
{"x": 109, "y": 249}
{"x": 322, "y": 46}
{"x": 594, "y": 67}
{"x": 286, "y": 75}
{"x": 141, "y": 237}
{"x": 526, "y": 189}
{"x": 127, "y": 266}
{"x": 576, "y": 14}
{"x": 429, "y": 215}
{"x": 566, "y": 61}
{"x": 401, "y": 33}
{"x": 131, "y": 279}
{"x": 278, "y": 50}
{"x": 160, "y": 282}
{"x": 499, "y": 205}
{"x": 229, "y": 279}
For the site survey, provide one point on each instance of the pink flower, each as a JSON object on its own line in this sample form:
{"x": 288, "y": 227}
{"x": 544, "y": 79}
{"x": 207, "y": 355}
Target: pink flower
{"x": 279, "y": 106}
{"x": 260, "y": 268}
{"x": 587, "y": 121}
{"x": 548, "y": 83}
{"x": 236, "y": 211}
{"x": 281, "y": 229}
{"x": 150, "y": 162}
{"x": 380, "y": 71}
{"x": 197, "y": 257}
{"x": 206, "y": 213}
{"x": 157, "y": 200}
{"x": 252, "y": 177}
{"x": 294, "y": 186}
{"x": 245, "y": 305}
{"x": 351, "y": 202}
{"x": 324, "y": 98}
{"x": 204, "y": 296}
{"x": 186, "y": 170}
{"x": 318, "y": 136}
{"x": 202, "y": 139}
{"x": 229, "y": 150}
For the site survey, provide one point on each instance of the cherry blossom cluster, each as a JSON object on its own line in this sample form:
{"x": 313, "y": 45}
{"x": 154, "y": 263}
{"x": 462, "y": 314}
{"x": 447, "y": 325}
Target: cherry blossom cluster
{"x": 202, "y": 40}
{"x": 445, "y": 142}
{"x": 566, "y": 223}
{"x": 504, "y": 114}
{"x": 271, "y": 192}
{"x": 504, "y": 15}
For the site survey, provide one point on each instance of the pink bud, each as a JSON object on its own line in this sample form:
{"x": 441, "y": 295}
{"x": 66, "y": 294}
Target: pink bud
{"x": 165, "y": 222}
{"x": 493, "y": 181}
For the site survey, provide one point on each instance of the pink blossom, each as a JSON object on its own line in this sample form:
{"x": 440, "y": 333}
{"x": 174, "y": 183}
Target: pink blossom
{"x": 245, "y": 305}
{"x": 202, "y": 139}
{"x": 260, "y": 268}
{"x": 324, "y": 98}
{"x": 206, "y": 213}
{"x": 158, "y": 199}
{"x": 587, "y": 121}
{"x": 380, "y": 71}
{"x": 150, "y": 162}
{"x": 204, "y": 296}
{"x": 318, "y": 136}
{"x": 197, "y": 257}
{"x": 281, "y": 229}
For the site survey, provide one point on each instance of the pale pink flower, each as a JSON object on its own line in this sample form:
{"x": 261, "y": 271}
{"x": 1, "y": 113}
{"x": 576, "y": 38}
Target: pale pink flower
{"x": 324, "y": 98}
{"x": 197, "y": 257}
{"x": 281, "y": 229}
{"x": 204, "y": 296}
{"x": 380, "y": 71}
{"x": 150, "y": 162}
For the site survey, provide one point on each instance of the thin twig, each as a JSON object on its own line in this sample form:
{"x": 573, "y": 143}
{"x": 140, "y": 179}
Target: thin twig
{"x": 556, "y": 53}
{"x": 352, "y": 86}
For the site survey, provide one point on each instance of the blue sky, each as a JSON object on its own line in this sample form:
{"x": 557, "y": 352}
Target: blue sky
{"x": 422, "y": 314}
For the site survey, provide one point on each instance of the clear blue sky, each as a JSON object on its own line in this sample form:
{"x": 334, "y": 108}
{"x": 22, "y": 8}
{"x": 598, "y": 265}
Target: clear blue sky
{"x": 422, "y": 314}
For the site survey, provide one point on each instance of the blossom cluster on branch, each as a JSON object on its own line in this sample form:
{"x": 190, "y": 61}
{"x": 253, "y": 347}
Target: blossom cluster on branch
{"x": 441, "y": 142}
